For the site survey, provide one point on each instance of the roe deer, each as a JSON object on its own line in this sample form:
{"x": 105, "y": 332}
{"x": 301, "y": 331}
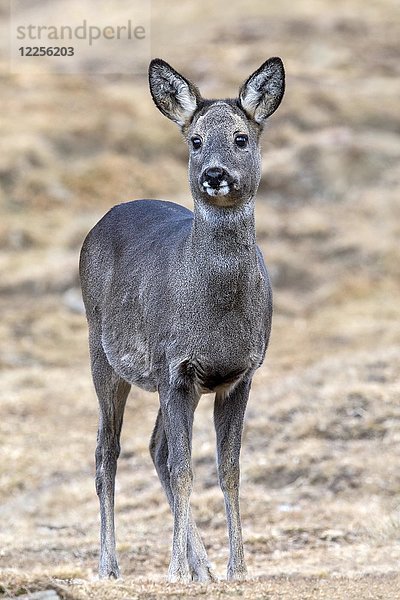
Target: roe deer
{"x": 181, "y": 303}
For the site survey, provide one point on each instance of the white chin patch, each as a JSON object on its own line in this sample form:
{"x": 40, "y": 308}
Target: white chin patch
{"x": 223, "y": 189}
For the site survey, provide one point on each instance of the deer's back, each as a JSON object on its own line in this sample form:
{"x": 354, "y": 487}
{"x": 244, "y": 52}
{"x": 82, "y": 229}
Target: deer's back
{"x": 130, "y": 241}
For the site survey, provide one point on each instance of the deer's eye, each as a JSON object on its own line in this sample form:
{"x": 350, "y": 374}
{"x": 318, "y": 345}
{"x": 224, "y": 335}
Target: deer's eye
{"x": 196, "y": 142}
{"x": 241, "y": 140}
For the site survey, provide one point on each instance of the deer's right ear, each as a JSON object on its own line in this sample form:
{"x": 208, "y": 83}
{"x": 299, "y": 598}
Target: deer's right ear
{"x": 176, "y": 97}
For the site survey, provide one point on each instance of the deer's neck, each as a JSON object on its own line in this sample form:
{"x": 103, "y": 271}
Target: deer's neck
{"x": 223, "y": 242}
{"x": 224, "y": 229}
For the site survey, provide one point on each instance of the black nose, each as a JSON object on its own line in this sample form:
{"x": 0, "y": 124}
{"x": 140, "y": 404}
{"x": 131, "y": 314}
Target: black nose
{"x": 214, "y": 176}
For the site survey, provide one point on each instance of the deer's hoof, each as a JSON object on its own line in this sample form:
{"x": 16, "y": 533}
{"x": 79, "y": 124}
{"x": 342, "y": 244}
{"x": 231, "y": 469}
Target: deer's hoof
{"x": 109, "y": 570}
{"x": 236, "y": 574}
{"x": 179, "y": 574}
{"x": 203, "y": 574}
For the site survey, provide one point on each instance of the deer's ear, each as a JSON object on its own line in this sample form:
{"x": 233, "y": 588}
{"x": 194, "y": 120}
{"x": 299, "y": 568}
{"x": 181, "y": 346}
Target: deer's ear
{"x": 176, "y": 97}
{"x": 262, "y": 92}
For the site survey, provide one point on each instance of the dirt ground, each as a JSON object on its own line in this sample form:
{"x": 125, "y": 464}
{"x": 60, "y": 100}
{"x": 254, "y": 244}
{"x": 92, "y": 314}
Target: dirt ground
{"x": 321, "y": 453}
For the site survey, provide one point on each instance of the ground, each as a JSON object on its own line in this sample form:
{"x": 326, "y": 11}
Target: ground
{"x": 320, "y": 461}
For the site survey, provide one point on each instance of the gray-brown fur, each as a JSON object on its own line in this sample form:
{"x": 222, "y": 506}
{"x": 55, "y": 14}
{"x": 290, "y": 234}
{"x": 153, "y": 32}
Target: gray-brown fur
{"x": 181, "y": 303}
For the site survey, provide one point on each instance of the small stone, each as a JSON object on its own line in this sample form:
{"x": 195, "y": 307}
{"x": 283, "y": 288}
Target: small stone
{"x": 43, "y": 595}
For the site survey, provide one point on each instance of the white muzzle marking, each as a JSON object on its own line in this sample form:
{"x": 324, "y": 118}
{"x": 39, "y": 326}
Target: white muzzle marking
{"x": 222, "y": 190}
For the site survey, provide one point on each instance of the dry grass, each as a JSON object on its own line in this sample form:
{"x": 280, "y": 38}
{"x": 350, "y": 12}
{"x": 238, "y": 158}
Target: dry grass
{"x": 369, "y": 587}
{"x": 320, "y": 474}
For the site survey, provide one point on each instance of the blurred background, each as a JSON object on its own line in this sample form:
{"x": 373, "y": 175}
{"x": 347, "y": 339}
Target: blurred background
{"x": 320, "y": 475}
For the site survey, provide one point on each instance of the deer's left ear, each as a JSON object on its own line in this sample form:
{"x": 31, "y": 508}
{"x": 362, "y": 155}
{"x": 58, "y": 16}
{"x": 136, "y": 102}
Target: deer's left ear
{"x": 174, "y": 95}
{"x": 263, "y": 91}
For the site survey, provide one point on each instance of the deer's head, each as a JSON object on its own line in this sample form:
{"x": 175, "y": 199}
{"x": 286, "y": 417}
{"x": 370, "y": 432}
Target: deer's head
{"x": 222, "y": 135}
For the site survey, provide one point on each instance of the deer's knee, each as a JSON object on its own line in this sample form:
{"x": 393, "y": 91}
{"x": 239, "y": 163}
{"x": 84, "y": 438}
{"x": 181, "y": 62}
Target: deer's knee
{"x": 229, "y": 478}
{"x": 181, "y": 476}
{"x": 108, "y": 446}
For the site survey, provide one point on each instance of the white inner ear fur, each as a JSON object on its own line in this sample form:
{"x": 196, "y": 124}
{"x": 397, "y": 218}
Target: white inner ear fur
{"x": 251, "y": 95}
{"x": 261, "y": 94}
{"x": 187, "y": 102}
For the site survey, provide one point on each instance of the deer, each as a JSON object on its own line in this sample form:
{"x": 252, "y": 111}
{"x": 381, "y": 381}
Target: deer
{"x": 180, "y": 303}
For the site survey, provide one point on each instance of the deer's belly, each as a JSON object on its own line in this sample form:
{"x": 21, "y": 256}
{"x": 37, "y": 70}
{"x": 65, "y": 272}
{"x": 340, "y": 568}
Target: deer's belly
{"x": 210, "y": 360}
{"x": 216, "y": 368}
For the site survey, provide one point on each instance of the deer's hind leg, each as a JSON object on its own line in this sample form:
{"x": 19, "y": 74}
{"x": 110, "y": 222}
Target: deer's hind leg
{"x": 112, "y": 392}
{"x": 197, "y": 556}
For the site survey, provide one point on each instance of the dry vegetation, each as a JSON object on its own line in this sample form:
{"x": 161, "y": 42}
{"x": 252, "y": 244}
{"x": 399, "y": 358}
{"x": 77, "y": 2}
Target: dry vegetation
{"x": 320, "y": 467}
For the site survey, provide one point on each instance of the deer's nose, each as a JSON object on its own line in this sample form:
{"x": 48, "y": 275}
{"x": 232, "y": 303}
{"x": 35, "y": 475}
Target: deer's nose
{"x": 214, "y": 176}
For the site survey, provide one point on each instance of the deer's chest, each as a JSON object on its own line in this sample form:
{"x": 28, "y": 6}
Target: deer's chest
{"x": 216, "y": 350}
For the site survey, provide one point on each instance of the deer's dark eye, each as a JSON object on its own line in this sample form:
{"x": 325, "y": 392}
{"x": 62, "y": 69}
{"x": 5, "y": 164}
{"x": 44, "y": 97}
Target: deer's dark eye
{"x": 196, "y": 142}
{"x": 241, "y": 140}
